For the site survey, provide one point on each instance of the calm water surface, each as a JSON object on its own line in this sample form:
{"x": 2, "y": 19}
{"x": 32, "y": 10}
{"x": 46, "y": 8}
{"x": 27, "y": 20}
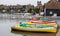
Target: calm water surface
{"x": 5, "y": 30}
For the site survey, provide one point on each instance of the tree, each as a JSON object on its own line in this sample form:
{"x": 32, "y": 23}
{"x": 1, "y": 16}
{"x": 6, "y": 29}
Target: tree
{"x": 36, "y": 10}
{"x": 30, "y": 10}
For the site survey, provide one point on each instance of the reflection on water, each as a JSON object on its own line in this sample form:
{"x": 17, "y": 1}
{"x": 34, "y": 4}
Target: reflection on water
{"x": 33, "y": 34}
{"x": 5, "y": 30}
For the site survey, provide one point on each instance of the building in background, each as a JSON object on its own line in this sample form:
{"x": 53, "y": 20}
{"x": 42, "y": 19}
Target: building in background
{"x": 41, "y": 8}
{"x": 52, "y": 8}
{"x": 15, "y": 8}
{"x": 10, "y": 8}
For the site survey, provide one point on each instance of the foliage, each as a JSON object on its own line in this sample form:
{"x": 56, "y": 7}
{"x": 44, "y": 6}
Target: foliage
{"x": 35, "y": 9}
{"x": 30, "y": 10}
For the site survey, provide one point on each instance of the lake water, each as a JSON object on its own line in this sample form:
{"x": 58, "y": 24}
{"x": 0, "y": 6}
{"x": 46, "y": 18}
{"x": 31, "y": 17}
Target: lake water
{"x": 5, "y": 30}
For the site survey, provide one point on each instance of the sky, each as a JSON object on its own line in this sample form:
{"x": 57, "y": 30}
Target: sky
{"x": 22, "y": 2}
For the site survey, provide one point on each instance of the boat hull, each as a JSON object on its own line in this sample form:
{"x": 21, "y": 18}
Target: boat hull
{"x": 17, "y": 27}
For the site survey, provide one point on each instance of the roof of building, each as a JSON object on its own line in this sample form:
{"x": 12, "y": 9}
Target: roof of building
{"x": 52, "y": 4}
{"x": 11, "y": 6}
